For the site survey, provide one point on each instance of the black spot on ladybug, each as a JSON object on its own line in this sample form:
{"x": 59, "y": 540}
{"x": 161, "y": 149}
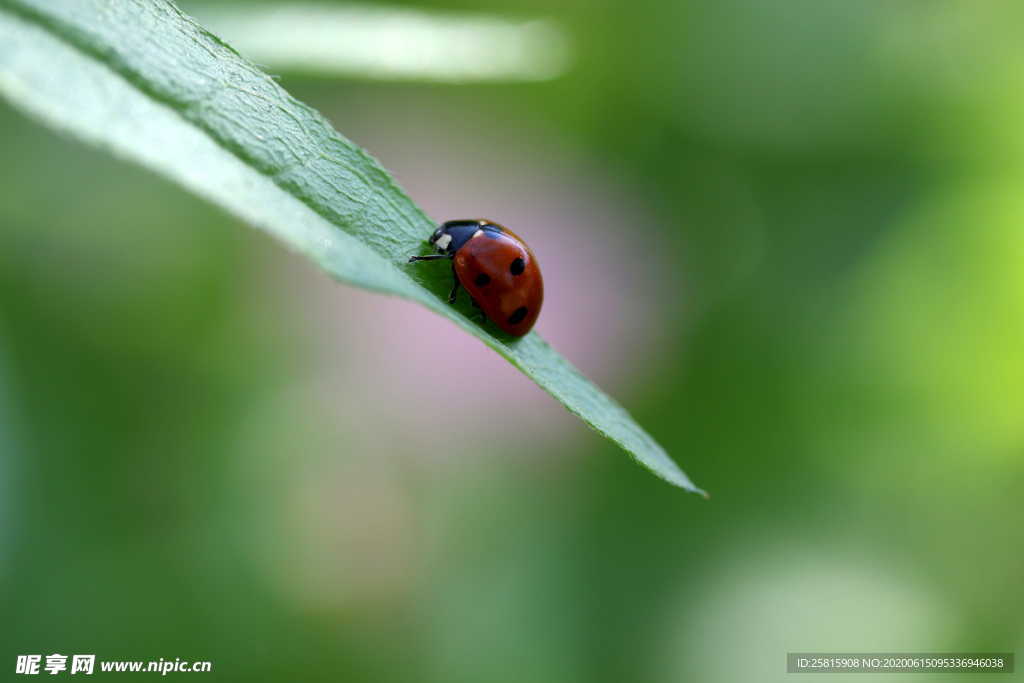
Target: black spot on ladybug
{"x": 517, "y": 316}
{"x": 517, "y": 267}
{"x": 482, "y": 280}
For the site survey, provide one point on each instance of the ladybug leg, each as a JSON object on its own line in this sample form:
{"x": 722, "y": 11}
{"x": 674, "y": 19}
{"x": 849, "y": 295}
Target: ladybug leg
{"x": 429, "y": 257}
{"x": 455, "y": 286}
{"x": 479, "y": 311}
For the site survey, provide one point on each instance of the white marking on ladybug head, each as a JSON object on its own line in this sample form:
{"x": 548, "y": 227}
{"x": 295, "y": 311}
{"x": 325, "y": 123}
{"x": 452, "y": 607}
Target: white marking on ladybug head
{"x": 443, "y": 241}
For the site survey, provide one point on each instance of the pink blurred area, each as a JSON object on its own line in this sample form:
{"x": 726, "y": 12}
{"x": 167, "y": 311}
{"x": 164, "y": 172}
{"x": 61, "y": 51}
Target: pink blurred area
{"x": 430, "y": 387}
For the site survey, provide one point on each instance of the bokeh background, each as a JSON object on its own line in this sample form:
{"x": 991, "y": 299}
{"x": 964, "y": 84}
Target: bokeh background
{"x": 786, "y": 235}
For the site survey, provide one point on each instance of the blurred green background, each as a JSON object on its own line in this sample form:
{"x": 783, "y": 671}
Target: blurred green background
{"x": 787, "y": 236}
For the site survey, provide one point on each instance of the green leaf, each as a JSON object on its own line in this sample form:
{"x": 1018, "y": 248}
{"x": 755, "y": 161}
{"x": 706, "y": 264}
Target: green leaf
{"x": 144, "y": 81}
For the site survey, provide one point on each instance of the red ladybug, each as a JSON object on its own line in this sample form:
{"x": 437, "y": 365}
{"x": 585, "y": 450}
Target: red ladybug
{"x": 496, "y": 268}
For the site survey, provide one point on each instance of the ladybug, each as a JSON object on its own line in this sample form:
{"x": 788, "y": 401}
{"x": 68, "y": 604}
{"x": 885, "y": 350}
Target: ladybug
{"x": 496, "y": 268}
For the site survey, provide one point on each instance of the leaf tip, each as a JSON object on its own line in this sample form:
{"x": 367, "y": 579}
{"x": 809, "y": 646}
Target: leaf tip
{"x": 676, "y": 477}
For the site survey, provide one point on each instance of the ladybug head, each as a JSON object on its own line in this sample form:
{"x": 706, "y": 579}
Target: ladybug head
{"x": 441, "y": 240}
{"x": 450, "y": 236}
